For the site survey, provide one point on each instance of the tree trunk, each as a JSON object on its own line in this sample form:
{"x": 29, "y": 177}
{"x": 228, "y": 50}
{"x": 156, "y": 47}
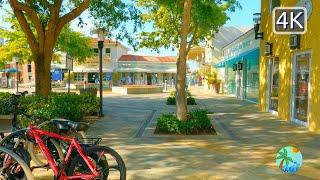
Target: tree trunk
{"x": 181, "y": 101}
{"x": 42, "y": 73}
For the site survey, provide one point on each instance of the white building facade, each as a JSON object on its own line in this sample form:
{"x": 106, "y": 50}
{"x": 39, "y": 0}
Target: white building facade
{"x": 240, "y": 66}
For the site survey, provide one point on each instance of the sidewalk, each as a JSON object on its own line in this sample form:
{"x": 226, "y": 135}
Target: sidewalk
{"x": 242, "y": 122}
{"x": 244, "y": 148}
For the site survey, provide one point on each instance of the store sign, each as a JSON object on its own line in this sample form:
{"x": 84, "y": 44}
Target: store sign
{"x": 243, "y": 44}
{"x": 69, "y": 64}
{"x": 289, "y": 20}
{"x": 92, "y": 62}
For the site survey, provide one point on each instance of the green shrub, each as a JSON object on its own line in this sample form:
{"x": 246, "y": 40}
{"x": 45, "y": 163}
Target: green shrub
{"x": 198, "y": 122}
{"x": 168, "y": 123}
{"x": 171, "y": 100}
{"x": 59, "y": 105}
{"x": 191, "y": 101}
{"x": 5, "y": 108}
{"x": 67, "y": 106}
{"x": 173, "y": 94}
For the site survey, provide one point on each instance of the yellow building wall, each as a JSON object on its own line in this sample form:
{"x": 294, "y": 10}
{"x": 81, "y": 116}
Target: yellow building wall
{"x": 309, "y": 42}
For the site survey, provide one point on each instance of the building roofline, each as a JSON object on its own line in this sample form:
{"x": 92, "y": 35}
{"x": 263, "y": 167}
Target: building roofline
{"x": 239, "y": 37}
{"x": 141, "y": 58}
{"x": 111, "y": 41}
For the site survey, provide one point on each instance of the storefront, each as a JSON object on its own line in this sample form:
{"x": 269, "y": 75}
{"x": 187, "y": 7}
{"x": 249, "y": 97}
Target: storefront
{"x": 88, "y": 72}
{"x": 290, "y": 69}
{"x": 146, "y": 70}
{"x": 241, "y": 67}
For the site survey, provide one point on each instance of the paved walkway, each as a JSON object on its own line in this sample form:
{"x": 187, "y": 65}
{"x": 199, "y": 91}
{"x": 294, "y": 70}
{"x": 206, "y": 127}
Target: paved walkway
{"x": 244, "y": 148}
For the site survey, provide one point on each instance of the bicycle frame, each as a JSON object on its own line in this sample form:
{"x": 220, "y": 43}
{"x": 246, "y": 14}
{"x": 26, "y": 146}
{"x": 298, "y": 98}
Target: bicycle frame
{"x": 37, "y": 134}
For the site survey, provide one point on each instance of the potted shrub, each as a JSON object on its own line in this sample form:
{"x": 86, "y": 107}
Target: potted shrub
{"x": 5, "y": 112}
{"x": 217, "y": 86}
{"x": 211, "y": 82}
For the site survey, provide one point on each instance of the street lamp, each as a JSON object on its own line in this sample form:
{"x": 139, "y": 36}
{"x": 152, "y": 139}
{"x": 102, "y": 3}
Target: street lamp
{"x": 257, "y": 23}
{"x": 101, "y": 32}
{"x": 16, "y": 61}
{"x": 69, "y": 66}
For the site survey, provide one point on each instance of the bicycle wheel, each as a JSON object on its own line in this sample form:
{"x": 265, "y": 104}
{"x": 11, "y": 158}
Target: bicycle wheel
{"x": 38, "y": 158}
{"x": 109, "y": 163}
{"x": 13, "y": 167}
{"x": 57, "y": 149}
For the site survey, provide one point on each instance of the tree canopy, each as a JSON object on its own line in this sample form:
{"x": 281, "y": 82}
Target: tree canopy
{"x": 207, "y": 16}
{"x": 182, "y": 24}
{"x": 43, "y": 20}
{"x": 16, "y": 44}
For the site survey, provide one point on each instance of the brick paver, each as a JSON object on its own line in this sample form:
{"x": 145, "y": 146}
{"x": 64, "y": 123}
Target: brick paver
{"x": 244, "y": 148}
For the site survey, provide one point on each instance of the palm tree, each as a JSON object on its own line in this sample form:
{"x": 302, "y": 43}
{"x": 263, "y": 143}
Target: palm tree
{"x": 284, "y": 158}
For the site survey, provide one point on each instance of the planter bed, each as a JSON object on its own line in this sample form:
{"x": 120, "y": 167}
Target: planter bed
{"x": 5, "y": 123}
{"x": 137, "y": 89}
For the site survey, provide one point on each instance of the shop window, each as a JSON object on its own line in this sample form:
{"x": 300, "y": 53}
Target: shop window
{"x": 252, "y": 79}
{"x": 78, "y": 77}
{"x": 96, "y": 50}
{"x": 230, "y": 79}
{"x": 108, "y": 52}
{"x": 274, "y": 84}
{"x": 29, "y": 68}
{"x": 301, "y": 84}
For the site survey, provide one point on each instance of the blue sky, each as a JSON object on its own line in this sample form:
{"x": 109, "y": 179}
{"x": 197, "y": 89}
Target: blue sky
{"x": 241, "y": 18}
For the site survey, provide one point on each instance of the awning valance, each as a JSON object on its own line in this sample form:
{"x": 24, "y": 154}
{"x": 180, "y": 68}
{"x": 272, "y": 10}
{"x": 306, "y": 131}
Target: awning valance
{"x": 252, "y": 54}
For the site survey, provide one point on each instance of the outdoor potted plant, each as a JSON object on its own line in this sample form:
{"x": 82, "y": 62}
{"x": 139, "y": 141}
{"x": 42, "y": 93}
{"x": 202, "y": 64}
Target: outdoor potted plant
{"x": 217, "y": 86}
{"x": 5, "y": 113}
{"x": 211, "y": 82}
{"x": 91, "y": 90}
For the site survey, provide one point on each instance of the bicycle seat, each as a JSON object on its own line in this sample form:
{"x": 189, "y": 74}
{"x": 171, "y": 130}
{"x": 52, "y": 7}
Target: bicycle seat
{"x": 65, "y": 125}
{"x": 78, "y": 126}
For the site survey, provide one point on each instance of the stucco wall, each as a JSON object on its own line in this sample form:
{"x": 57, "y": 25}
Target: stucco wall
{"x": 281, "y": 49}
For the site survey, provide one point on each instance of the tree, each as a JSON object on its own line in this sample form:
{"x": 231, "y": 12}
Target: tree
{"x": 17, "y": 45}
{"x": 182, "y": 24}
{"x": 284, "y": 158}
{"x": 48, "y": 17}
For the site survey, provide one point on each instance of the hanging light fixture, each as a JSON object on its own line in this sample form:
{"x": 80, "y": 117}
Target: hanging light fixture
{"x": 257, "y": 23}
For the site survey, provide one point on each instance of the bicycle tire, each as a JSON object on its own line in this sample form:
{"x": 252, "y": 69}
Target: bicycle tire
{"x": 96, "y": 149}
{"x": 37, "y": 159}
{"x": 20, "y": 161}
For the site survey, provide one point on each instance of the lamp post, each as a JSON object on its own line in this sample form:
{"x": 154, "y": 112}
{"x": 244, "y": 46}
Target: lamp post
{"x": 16, "y": 61}
{"x": 257, "y": 23}
{"x": 69, "y": 66}
{"x": 101, "y": 37}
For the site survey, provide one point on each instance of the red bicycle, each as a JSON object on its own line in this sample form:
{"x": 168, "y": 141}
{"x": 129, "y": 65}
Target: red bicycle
{"x": 82, "y": 161}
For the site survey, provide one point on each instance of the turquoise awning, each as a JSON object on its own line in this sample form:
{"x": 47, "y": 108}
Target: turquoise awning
{"x": 252, "y": 54}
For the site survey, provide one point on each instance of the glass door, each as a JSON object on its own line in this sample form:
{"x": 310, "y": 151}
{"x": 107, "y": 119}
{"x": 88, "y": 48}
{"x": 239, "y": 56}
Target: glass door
{"x": 239, "y": 79}
{"x": 273, "y": 85}
{"x": 301, "y": 79}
